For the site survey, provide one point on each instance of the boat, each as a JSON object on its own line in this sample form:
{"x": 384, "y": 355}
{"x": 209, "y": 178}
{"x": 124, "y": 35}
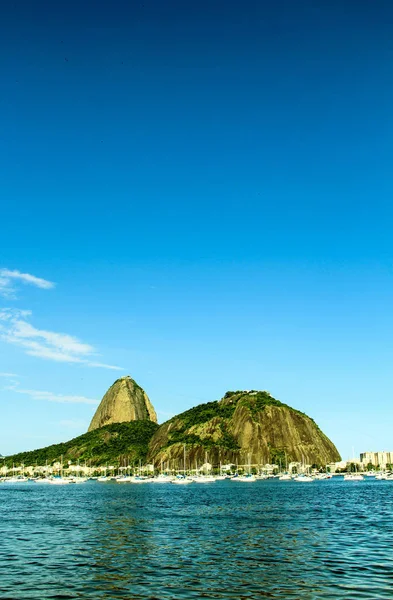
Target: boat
{"x": 303, "y": 478}
{"x": 204, "y": 479}
{"x": 78, "y": 479}
{"x": 59, "y": 481}
{"x": 353, "y": 477}
{"x": 182, "y": 480}
{"x": 285, "y": 477}
{"x": 245, "y": 478}
{"x": 161, "y": 479}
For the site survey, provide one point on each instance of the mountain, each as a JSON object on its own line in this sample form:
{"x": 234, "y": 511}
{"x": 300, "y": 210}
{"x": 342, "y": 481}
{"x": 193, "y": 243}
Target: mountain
{"x": 243, "y": 427}
{"x": 125, "y": 401}
{"x": 111, "y": 444}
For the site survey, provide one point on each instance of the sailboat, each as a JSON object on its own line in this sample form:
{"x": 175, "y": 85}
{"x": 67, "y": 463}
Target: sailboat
{"x": 183, "y": 479}
{"x": 60, "y": 480}
{"x": 162, "y": 477}
{"x": 247, "y": 477}
{"x": 204, "y": 478}
{"x": 353, "y": 476}
{"x": 303, "y": 477}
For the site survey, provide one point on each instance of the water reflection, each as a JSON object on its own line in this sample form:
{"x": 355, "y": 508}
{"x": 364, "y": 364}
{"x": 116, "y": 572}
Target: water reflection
{"x": 331, "y": 539}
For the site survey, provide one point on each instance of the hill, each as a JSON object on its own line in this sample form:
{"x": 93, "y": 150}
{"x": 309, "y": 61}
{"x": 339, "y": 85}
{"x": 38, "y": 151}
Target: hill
{"x": 111, "y": 444}
{"x": 125, "y": 401}
{"x": 245, "y": 426}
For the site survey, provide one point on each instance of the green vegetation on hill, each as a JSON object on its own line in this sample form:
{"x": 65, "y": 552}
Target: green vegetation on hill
{"x": 221, "y": 411}
{"x": 255, "y": 401}
{"x": 115, "y": 444}
{"x": 205, "y": 412}
{"x": 244, "y": 426}
{"x": 198, "y": 415}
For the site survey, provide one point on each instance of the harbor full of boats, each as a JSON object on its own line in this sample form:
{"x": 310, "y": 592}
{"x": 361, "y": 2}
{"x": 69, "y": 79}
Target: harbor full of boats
{"x": 188, "y": 478}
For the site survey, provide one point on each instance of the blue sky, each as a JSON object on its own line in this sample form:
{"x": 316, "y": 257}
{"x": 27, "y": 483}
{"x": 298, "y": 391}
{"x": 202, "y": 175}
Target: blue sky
{"x": 204, "y": 193}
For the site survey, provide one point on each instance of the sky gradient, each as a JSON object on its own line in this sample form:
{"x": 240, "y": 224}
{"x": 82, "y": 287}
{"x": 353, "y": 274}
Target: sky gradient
{"x": 204, "y": 193}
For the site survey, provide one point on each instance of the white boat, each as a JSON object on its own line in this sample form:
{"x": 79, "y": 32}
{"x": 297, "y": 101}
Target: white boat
{"x": 303, "y": 479}
{"x": 161, "y": 479}
{"x": 285, "y": 477}
{"x": 204, "y": 479}
{"x": 78, "y": 479}
{"x": 59, "y": 481}
{"x": 353, "y": 477}
{"x": 182, "y": 480}
{"x": 245, "y": 478}
{"x": 139, "y": 479}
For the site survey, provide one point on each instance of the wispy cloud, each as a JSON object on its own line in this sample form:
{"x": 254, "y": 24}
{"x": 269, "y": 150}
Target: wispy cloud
{"x": 50, "y": 345}
{"x": 51, "y": 397}
{"x": 8, "y": 278}
{"x": 8, "y": 375}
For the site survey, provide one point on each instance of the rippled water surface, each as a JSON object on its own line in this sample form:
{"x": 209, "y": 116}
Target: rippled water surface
{"x": 327, "y": 539}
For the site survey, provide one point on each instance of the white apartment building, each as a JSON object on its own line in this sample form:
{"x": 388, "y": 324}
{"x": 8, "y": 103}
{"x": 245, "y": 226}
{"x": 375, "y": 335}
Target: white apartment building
{"x": 376, "y": 458}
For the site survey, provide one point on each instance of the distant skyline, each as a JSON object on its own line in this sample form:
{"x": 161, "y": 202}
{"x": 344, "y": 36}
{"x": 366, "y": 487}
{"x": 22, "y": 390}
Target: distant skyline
{"x": 199, "y": 196}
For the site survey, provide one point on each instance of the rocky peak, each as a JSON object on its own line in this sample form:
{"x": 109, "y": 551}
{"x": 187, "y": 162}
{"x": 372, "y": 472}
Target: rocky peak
{"x": 124, "y": 401}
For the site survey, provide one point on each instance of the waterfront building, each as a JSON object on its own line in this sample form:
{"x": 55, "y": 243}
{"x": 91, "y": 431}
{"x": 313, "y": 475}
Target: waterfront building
{"x": 377, "y": 458}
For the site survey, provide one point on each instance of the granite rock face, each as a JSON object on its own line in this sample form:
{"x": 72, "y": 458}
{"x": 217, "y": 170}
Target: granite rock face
{"x": 125, "y": 401}
{"x": 244, "y": 427}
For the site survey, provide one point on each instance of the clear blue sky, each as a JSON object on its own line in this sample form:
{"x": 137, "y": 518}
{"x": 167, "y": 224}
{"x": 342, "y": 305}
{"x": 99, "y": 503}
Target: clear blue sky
{"x": 208, "y": 185}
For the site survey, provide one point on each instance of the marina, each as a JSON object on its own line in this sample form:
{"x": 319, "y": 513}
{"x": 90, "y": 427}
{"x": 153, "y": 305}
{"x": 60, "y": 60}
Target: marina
{"x": 146, "y": 474}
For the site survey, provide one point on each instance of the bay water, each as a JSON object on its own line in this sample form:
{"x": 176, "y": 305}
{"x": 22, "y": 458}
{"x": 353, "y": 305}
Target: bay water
{"x": 273, "y": 539}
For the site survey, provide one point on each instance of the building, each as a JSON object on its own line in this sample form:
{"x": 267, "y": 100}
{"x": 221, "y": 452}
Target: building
{"x": 380, "y": 459}
{"x": 337, "y": 466}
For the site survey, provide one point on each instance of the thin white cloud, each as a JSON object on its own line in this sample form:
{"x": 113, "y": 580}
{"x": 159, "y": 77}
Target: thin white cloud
{"x": 104, "y": 366}
{"x": 51, "y": 397}
{"x": 8, "y": 375}
{"x": 50, "y": 345}
{"x": 7, "y": 277}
